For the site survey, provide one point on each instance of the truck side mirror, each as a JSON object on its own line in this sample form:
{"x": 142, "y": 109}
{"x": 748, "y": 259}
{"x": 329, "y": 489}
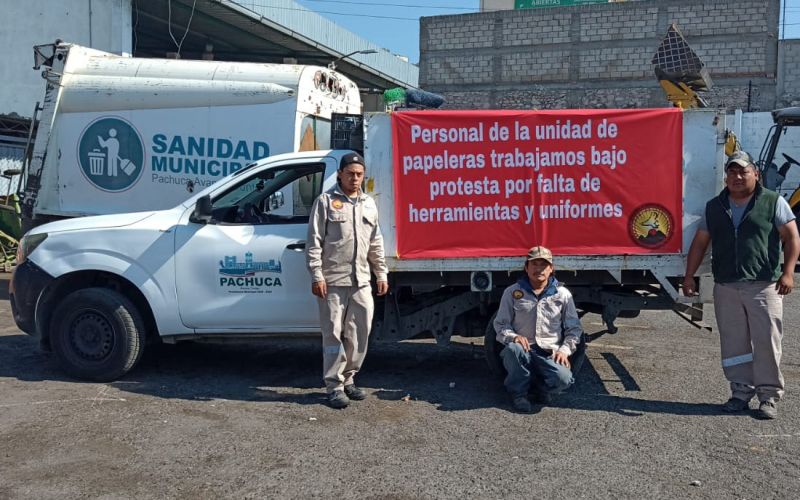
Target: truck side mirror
{"x": 202, "y": 210}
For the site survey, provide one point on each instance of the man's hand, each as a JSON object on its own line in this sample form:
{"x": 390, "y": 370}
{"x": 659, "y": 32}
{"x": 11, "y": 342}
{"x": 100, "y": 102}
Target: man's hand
{"x": 561, "y": 358}
{"x": 785, "y": 284}
{"x": 519, "y": 339}
{"x": 320, "y": 289}
{"x": 383, "y": 288}
{"x": 700, "y": 243}
{"x": 689, "y": 286}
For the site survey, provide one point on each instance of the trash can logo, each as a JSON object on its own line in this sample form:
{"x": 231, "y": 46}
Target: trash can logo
{"x": 111, "y": 154}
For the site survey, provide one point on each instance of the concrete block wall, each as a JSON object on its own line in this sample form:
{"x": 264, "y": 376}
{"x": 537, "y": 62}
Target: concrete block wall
{"x": 546, "y": 65}
{"x": 598, "y": 56}
{"x": 463, "y": 69}
{"x": 637, "y": 21}
{"x": 551, "y": 27}
{"x": 612, "y": 63}
{"x": 722, "y": 17}
{"x": 473, "y": 32}
{"x": 789, "y": 73}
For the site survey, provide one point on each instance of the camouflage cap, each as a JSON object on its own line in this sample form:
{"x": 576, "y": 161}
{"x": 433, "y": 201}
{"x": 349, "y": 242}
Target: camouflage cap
{"x": 540, "y": 252}
{"x": 741, "y": 159}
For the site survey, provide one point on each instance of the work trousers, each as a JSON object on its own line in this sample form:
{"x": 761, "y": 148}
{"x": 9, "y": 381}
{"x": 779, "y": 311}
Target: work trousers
{"x": 345, "y": 319}
{"x": 750, "y": 322}
{"x": 526, "y": 368}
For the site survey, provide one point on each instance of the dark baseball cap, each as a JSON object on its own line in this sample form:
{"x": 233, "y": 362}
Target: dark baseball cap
{"x": 351, "y": 158}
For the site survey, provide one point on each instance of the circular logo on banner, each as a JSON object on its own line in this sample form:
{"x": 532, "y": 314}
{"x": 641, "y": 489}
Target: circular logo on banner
{"x": 111, "y": 154}
{"x": 651, "y": 226}
{"x": 337, "y": 204}
{"x": 517, "y": 294}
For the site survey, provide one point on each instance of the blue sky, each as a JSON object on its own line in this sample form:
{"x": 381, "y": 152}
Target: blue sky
{"x": 792, "y": 21}
{"x": 394, "y": 24}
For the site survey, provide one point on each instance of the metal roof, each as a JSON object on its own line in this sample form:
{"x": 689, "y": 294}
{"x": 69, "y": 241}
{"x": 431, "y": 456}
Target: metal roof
{"x": 263, "y": 31}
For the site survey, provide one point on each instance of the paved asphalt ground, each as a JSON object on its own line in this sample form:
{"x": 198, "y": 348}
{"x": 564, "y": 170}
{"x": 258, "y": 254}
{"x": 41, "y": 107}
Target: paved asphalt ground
{"x": 202, "y": 421}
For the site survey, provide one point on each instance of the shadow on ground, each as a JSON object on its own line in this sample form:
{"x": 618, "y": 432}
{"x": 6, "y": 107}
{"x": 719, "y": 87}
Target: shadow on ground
{"x": 452, "y": 378}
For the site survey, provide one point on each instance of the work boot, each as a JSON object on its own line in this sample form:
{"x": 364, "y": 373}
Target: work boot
{"x": 338, "y": 400}
{"x": 735, "y": 405}
{"x": 767, "y": 410}
{"x": 522, "y": 405}
{"x": 354, "y": 392}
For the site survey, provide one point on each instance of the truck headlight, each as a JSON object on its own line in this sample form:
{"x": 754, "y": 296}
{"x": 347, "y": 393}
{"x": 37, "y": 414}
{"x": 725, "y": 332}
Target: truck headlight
{"x": 28, "y": 244}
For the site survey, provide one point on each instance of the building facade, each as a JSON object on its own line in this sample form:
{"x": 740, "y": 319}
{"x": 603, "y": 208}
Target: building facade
{"x": 599, "y": 55}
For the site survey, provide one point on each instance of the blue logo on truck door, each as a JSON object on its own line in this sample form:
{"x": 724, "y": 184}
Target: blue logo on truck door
{"x": 242, "y": 277}
{"x": 111, "y": 154}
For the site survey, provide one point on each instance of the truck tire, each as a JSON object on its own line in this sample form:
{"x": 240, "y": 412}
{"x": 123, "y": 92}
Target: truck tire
{"x": 97, "y": 334}
{"x": 492, "y": 350}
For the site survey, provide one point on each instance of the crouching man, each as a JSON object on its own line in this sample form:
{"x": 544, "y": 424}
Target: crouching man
{"x": 539, "y": 326}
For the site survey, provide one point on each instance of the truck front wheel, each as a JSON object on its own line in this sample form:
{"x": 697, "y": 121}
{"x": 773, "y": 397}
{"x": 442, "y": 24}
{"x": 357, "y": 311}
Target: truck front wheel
{"x": 97, "y": 334}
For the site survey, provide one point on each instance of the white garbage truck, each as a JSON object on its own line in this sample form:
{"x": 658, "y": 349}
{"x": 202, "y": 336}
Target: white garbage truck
{"x": 119, "y": 134}
{"x": 616, "y": 194}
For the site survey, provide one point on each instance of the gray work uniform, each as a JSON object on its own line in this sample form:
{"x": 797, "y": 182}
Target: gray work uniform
{"x": 550, "y": 323}
{"x": 749, "y": 316}
{"x": 344, "y": 243}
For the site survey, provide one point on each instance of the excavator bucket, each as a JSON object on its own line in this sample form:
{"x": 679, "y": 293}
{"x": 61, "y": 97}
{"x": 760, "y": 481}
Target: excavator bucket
{"x": 680, "y": 71}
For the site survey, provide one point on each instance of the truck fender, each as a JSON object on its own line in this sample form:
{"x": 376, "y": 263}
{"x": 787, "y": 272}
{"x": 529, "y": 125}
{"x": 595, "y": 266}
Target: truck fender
{"x": 160, "y": 295}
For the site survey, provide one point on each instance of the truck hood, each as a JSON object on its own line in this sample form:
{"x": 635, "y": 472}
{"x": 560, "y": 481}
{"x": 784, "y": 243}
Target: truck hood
{"x": 93, "y": 222}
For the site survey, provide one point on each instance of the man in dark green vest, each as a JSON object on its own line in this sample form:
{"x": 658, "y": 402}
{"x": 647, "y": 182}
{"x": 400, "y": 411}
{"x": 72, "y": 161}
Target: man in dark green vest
{"x": 746, "y": 225}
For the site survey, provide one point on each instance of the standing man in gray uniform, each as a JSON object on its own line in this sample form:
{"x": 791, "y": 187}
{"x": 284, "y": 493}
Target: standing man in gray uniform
{"x": 538, "y": 323}
{"x": 745, "y": 226}
{"x": 344, "y": 244}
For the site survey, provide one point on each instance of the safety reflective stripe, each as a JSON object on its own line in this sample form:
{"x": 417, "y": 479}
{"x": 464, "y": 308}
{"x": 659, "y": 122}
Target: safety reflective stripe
{"x": 737, "y": 360}
{"x": 337, "y": 349}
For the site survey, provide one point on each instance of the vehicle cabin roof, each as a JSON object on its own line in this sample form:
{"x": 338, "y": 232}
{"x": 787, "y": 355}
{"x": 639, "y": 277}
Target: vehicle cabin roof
{"x": 787, "y": 116}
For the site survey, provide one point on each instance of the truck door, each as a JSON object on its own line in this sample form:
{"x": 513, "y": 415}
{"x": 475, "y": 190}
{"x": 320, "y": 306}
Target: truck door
{"x": 245, "y": 270}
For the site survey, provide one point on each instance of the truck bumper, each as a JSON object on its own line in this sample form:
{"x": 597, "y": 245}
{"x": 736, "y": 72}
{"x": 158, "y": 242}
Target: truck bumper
{"x": 27, "y": 283}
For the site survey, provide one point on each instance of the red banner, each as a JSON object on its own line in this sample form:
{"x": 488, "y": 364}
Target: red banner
{"x": 495, "y": 183}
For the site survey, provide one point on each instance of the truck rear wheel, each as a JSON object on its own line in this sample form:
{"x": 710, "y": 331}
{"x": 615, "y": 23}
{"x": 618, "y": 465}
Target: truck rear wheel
{"x": 97, "y": 334}
{"x": 492, "y": 350}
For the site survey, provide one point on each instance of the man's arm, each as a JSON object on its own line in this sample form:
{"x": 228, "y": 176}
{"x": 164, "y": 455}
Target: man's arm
{"x": 693, "y": 259}
{"x": 572, "y": 327}
{"x": 314, "y": 241}
{"x": 503, "y": 323}
{"x": 377, "y": 261}
{"x": 791, "y": 250}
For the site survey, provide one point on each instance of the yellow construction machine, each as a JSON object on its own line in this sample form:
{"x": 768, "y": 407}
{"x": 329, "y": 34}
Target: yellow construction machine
{"x": 680, "y": 71}
{"x": 682, "y": 76}
{"x": 784, "y": 133}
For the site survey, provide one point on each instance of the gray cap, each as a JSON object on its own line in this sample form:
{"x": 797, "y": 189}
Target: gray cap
{"x": 741, "y": 159}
